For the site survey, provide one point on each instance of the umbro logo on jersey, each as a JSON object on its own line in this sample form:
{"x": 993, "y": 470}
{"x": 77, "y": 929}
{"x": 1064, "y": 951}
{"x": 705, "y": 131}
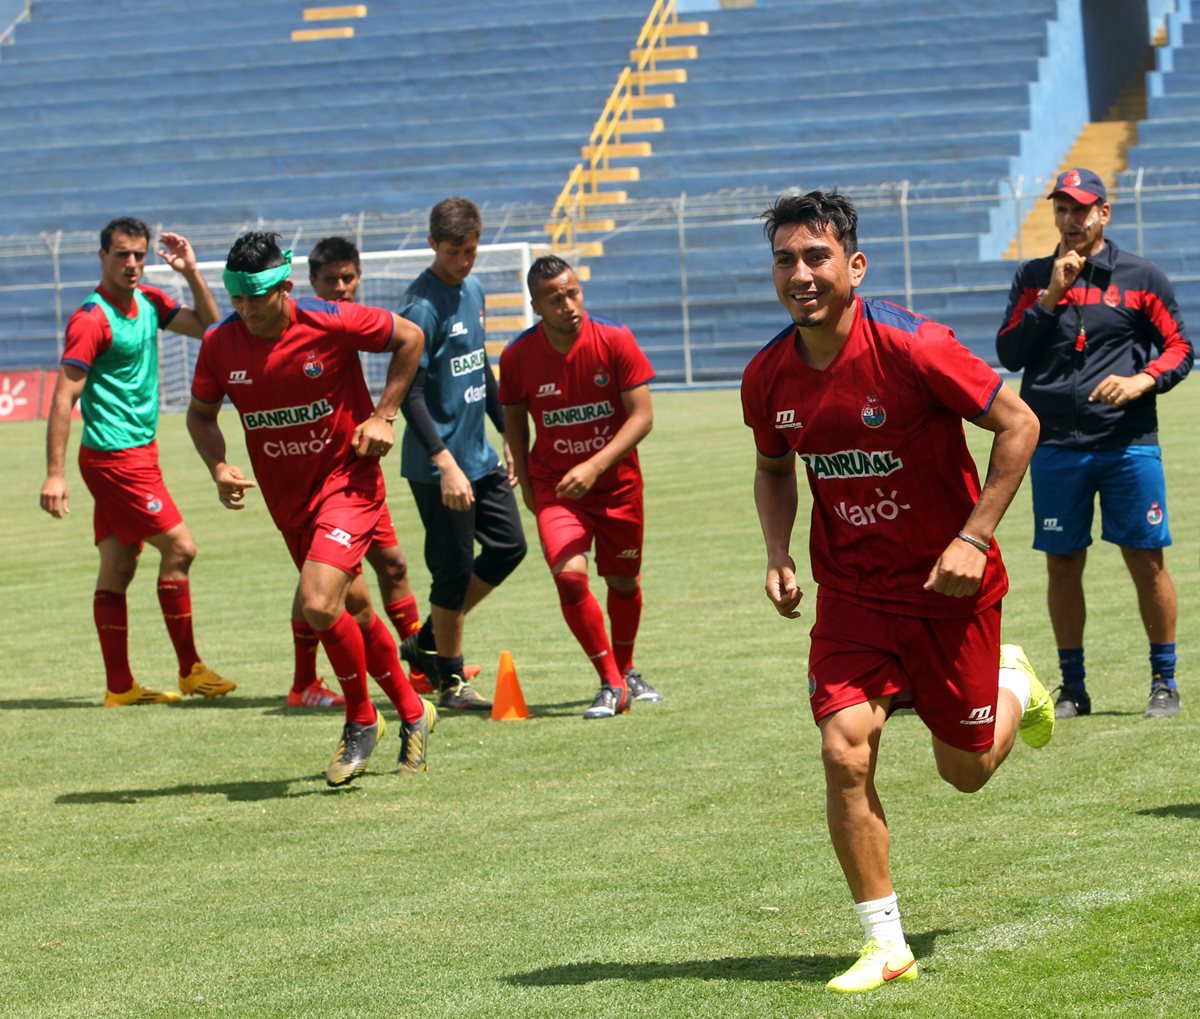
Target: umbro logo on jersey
{"x": 458, "y": 329}
{"x": 787, "y": 419}
{"x": 343, "y": 538}
{"x": 239, "y": 379}
{"x": 548, "y": 389}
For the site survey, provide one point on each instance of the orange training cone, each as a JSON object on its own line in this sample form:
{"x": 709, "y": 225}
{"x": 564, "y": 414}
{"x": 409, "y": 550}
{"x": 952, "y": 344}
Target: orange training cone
{"x": 508, "y": 703}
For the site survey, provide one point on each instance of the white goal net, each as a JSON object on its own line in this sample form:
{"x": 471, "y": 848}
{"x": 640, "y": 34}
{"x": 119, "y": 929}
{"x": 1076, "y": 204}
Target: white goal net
{"x": 501, "y": 268}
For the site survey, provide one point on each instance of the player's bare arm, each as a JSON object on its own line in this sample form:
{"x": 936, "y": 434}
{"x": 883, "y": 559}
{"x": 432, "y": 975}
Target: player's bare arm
{"x": 960, "y": 568}
{"x": 1066, "y": 271}
{"x": 580, "y": 479}
{"x": 67, "y": 388}
{"x": 375, "y": 436}
{"x": 209, "y": 440}
{"x": 516, "y": 436}
{"x": 1116, "y": 390}
{"x": 776, "y": 500}
{"x": 177, "y": 252}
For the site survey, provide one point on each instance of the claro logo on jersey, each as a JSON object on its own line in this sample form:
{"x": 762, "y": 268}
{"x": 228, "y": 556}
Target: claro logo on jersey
{"x": 580, "y": 415}
{"x": 852, "y": 463}
{"x": 467, "y": 363}
{"x": 286, "y": 417}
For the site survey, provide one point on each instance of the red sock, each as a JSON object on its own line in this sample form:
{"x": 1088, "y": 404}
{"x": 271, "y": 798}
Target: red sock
{"x": 304, "y": 644}
{"x": 112, "y": 624}
{"x": 585, "y": 620}
{"x": 624, "y": 616}
{"x": 383, "y": 663}
{"x": 343, "y": 643}
{"x": 175, "y": 598}
{"x": 404, "y": 615}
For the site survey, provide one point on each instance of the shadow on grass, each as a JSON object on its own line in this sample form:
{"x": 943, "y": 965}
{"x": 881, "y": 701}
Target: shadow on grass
{"x": 204, "y": 703}
{"x": 235, "y": 792}
{"x": 1188, "y": 810}
{"x": 783, "y": 968}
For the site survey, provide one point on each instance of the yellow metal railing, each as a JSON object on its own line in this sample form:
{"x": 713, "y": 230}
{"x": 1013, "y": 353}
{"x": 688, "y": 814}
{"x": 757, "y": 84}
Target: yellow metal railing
{"x": 585, "y": 179}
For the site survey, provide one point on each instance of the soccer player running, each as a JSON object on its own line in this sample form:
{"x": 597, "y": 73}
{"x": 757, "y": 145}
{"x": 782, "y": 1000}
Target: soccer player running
{"x": 463, "y": 494}
{"x": 110, "y": 365}
{"x": 586, "y": 383}
{"x": 871, "y": 398}
{"x": 335, "y": 273}
{"x": 291, "y": 369}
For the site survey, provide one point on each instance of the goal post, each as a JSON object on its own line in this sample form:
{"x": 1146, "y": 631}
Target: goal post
{"x": 501, "y": 268}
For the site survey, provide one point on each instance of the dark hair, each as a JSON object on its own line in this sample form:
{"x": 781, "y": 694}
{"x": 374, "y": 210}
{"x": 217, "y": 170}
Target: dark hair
{"x": 123, "y": 225}
{"x": 332, "y": 249}
{"x": 548, "y": 267}
{"x": 254, "y": 252}
{"x": 454, "y": 220}
{"x": 818, "y": 210}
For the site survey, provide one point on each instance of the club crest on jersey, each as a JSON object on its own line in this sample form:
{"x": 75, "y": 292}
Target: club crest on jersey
{"x": 600, "y": 378}
{"x": 1154, "y": 515}
{"x": 873, "y": 414}
{"x": 313, "y": 366}
{"x": 1112, "y": 296}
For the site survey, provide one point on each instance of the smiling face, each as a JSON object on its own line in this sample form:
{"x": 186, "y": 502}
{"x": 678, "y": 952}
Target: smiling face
{"x": 122, "y": 265}
{"x": 1080, "y": 227}
{"x": 815, "y": 278}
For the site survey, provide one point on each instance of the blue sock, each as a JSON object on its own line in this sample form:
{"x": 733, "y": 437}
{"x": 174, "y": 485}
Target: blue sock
{"x": 1070, "y": 663}
{"x": 1162, "y": 664}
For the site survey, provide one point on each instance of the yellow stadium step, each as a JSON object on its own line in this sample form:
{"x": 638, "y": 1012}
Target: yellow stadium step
{"x": 581, "y": 249}
{"x": 505, "y": 301}
{"x": 686, "y": 28}
{"x": 335, "y": 13}
{"x": 662, "y": 76}
{"x": 665, "y": 53}
{"x": 317, "y": 34}
{"x": 587, "y": 226}
{"x": 612, "y": 175}
{"x": 602, "y": 197}
{"x": 621, "y": 150}
{"x": 506, "y": 323}
{"x": 663, "y": 101}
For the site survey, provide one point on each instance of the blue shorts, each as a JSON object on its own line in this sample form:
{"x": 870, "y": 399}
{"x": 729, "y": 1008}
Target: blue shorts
{"x": 1133, "y": 498}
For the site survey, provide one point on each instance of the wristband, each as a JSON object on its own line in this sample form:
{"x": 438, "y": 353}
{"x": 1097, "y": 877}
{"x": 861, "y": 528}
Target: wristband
{"x": 376, "y": 414}
{"x": 983, "y": 546}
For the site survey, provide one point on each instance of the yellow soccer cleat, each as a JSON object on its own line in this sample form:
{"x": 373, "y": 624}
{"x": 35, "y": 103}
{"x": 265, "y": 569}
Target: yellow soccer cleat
{"x": 204, "y": 682}
{"x": 353, "y": 751}
{"x": 139, "y": 695}
{"x": 878, "y": 964}
{"x": 414, "y": 741}
{"x": 1037, "y": 724}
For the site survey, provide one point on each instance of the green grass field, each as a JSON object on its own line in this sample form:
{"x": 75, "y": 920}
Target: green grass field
{"x": 189, "y": 861}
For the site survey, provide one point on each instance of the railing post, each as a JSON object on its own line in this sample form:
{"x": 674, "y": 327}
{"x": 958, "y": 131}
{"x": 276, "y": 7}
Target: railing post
{"x": 685, "y": 313}
{"x": 1137, "y": 205}
{"x": 54, "y": 243}
{"x": 1018, "y": 192}
{"x": 908, "y": 287}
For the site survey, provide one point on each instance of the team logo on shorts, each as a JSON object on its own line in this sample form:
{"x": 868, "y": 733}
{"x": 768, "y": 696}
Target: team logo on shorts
{"x": 1112, "y": 296}
{"x": 343, "y": 538}
{"x": 1154, "y": 515}
{"x": 153, "y": 504}
{"x": 600, "y": 378}
{"x": 313, "y": 366}
{"x": 873, "y": 414}
{"x": 812, "y": 685}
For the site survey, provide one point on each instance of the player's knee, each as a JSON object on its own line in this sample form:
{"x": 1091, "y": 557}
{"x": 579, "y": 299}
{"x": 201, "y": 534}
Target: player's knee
{"x": 497, "y": 561}
{"x": 391, "y": 566}
{"x": 180, "y": 554}
{"x": 966, "y": 775}
{"x": 847, "y": 763}
{"x": 572, "y": 587}
{"x": 449, "y": 590}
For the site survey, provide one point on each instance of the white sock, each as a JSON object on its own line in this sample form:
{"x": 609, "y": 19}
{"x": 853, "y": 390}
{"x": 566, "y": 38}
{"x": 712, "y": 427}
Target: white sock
{"x": 1017, "y": 683}
{"x": 880, "y": 918}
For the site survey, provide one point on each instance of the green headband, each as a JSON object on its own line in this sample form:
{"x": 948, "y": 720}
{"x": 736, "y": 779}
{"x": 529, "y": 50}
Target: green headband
{"x": 251, "y": 284}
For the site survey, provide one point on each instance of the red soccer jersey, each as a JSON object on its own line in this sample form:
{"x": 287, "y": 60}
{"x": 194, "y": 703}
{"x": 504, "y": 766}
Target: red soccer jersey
{"x": 575, "y": 398}
{"x": 300, "y": 398}
{"x": 880, "y": 432}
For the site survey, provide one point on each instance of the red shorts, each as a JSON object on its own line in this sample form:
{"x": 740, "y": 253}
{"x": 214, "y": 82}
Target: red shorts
{"x": 132, "y": 501}
{"x": 567, "y": 527}
{"x": 384, "y": 535}
{"x": 342, "y": 530}
{"x": 948, "y": 670}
